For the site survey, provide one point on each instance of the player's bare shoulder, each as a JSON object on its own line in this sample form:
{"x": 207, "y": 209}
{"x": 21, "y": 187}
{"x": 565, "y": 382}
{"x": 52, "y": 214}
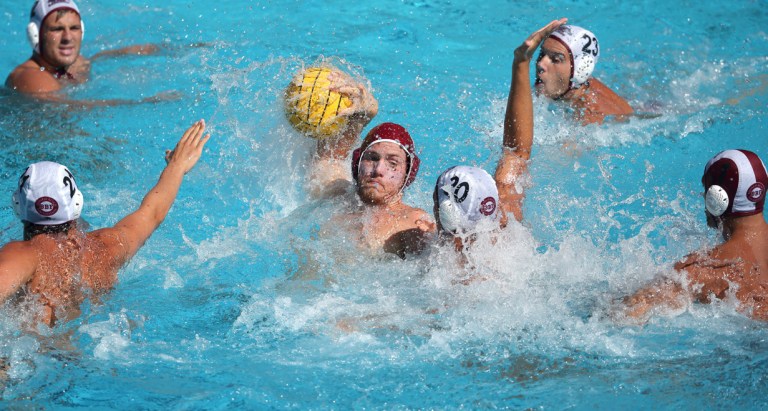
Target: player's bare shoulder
{"x": 708, "y": 273}
{"x": 108, "y": 247}
{"x": 412, "y": 233}
{"x": 418, "y": 218}
{"x": 31, "y": 78}
{"x": 19, "y": 250}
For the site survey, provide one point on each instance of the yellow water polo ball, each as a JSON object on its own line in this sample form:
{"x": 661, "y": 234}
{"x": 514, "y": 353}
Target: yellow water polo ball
{"x": 311, "y": 106}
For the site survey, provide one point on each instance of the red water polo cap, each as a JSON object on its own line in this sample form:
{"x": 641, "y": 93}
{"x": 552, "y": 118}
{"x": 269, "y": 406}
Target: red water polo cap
{"x": 392, "y": 133}
{"x": 735, "y": 182}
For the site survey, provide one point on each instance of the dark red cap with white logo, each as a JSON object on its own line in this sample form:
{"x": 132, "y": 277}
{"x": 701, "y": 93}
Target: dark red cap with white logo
{"x": 734, "y": 183}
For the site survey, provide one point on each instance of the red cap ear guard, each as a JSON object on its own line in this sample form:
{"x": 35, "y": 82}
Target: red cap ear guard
{"x": 735, "y": 182}
{"x": 389, "y": 132}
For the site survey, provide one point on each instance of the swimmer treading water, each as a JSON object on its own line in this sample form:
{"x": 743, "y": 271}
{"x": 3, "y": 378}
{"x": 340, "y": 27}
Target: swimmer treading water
{"x": 564, "y": 69}
{"x": 55, "y": 33}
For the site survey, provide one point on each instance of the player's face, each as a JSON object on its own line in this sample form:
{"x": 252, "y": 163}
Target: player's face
{"x": 553, "y": 69}
{"x": 382, "y": 172}
{"x": 60, "y": 37}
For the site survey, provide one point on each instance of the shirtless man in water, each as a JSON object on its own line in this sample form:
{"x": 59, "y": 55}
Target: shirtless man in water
{"x": 57, "y": 264}
{"x": 734, "y": 184}
{"x": 55, "y": 33}
{"x": 382, "y": 167}
{"x": 564, "y": 72}
{"x": 467, "y": 197}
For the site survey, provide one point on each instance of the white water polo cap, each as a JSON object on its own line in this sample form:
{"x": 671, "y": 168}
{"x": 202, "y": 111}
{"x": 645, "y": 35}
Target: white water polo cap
{"x": 40, "y": 10}
{"x": 734, "y": 184}
{"x": 466, "y": 196}
{"x": 583, "y": 50}
{"x": 47, "y": 195}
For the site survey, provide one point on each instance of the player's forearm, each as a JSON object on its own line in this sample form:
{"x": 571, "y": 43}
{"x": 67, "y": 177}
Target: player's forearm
{"x": 509, "y": 183}
{"x": 136, "y": 50}
{"x": 160, "y": 198}
{"x": 339, "y": 147}
{"x": 664, "y": 294}
{"x": 518, "y": 119}
{"x": 52, "y": 97}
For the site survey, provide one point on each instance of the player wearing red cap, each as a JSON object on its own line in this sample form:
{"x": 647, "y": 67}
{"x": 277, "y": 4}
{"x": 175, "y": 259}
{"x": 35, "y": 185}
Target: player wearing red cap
{"x": 383, "y": 165}
{"x": 734, "y": 185}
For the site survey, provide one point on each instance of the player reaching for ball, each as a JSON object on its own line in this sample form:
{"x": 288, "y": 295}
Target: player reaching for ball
{"x": 382, "y": 166}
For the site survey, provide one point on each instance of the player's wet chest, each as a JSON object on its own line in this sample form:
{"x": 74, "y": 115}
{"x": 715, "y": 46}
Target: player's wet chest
{"x": 369, "y": 230}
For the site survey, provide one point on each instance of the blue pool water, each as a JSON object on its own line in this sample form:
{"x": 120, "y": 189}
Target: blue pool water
{"x": 234, "y": 303}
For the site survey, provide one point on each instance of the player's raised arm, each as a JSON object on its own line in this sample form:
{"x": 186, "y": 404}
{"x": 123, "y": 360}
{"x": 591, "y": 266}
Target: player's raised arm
{"x": 518, "y": 124}
{"x": 136, "y": 228}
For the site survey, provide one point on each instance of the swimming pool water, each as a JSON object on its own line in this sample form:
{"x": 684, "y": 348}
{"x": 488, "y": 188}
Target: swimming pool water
{"x": 236, "y": 302}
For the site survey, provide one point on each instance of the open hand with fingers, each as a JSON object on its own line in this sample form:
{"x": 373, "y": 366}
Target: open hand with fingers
{"x": 364, "y": 105}
{"x": 189, "y": 148}
{"x": 525, "y": 51}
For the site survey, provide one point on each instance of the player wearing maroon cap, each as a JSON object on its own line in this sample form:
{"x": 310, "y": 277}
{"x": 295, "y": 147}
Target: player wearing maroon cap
{"x": 383, "y": 165}
{"x": 734, "y": 189}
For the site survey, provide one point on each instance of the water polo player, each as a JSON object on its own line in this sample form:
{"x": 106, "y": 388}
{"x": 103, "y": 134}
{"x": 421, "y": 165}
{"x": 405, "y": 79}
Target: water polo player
{"x": 564, "y": 72}
{"x": 468, "y": 199}
{"x": 734, "y": 196}
{"x": 382, "y": 166}
{"x": 55, "y": 32}
{"x": 57, "y": 264}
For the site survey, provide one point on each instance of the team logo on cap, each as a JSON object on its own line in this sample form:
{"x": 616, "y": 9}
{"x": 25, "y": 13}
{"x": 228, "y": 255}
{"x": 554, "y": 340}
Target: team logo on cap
{"x": 52, "y": 2}
{"x": 488, "y": 206}
{"x": 46, "y": 206}
{"x": 756, "y": 192}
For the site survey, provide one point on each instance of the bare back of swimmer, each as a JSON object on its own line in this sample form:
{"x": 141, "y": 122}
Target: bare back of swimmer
{"x": 58, "y": 264}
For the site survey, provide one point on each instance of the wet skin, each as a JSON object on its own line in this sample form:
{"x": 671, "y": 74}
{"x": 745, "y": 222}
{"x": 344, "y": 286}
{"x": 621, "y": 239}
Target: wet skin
{"x": 553, "y": 69}
{"x": 60, "y": 39}
{"x": 383, "y": 169}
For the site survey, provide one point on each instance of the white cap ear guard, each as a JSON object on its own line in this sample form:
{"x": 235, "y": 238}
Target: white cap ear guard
{"x": 451, "y": 218}
{"x": 716, "y": 200}
{"x": 41, "y": 10}
{"x": 584, "y": 49}
{"x": 33, "y": 35}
